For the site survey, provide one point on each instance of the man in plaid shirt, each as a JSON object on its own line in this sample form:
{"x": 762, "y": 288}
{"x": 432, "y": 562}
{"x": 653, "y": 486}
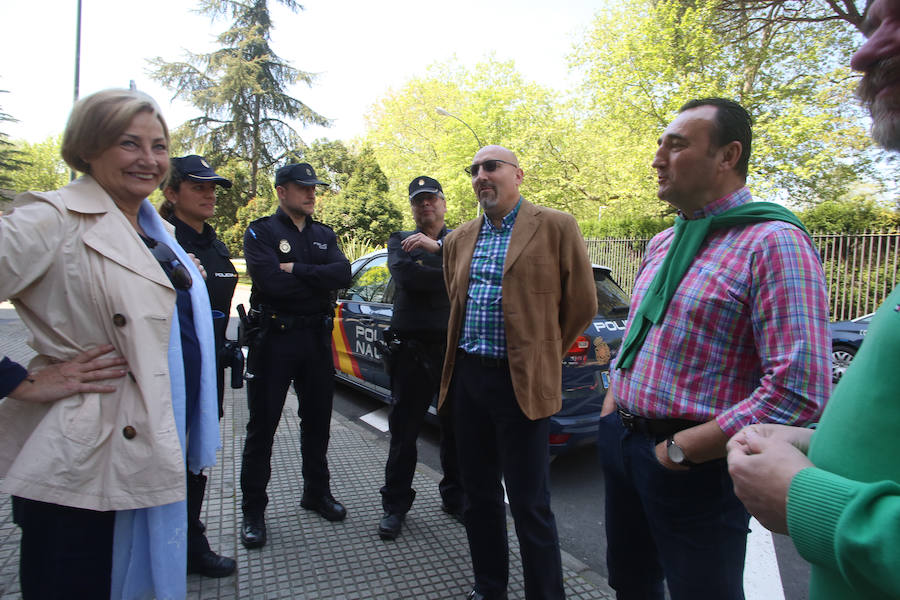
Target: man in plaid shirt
{"x": 737, "y": 335}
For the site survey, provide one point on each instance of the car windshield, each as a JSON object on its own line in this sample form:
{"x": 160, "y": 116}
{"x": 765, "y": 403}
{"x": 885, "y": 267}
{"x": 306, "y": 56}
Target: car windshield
{"x": 611, "y": 300}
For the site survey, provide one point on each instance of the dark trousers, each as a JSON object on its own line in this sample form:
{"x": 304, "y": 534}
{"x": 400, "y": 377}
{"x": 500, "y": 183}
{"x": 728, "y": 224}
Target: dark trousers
{"x": 301, "y": 356}
{"x": 494, "y": 439}
{"x": 65, "y": 552}
{"x": 414, "y": 382}
{"x": 686, "y": 527}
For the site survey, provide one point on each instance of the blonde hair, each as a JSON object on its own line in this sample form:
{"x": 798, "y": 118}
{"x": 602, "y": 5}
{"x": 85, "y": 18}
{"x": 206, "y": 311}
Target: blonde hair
{"x": 97, "y": 121}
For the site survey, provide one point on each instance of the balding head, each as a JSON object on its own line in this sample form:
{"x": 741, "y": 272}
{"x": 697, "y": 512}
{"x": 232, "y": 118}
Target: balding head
{"x": 496, "y": 177}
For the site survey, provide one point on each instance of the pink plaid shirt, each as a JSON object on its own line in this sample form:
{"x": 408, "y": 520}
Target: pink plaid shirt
{"x": 745, "y": 338}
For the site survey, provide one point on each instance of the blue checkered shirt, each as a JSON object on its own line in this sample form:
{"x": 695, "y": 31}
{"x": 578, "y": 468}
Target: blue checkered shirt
{"x": 483, "y": 331}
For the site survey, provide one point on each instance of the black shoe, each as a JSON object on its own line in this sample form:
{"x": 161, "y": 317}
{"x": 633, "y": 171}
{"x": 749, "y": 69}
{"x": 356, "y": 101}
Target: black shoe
{"x": 390, "y": 525}
{"x": 326, "y": 506}
{"x": 476, "y": 595}
{"x": 253, "y": 532}
{"x": 454, "y": 511}
{"x": 210, "y": 564}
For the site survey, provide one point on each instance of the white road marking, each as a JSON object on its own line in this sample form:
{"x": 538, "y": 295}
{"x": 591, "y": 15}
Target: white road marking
{"x": 762, "y": 579}
{"x": 377, "y": 418}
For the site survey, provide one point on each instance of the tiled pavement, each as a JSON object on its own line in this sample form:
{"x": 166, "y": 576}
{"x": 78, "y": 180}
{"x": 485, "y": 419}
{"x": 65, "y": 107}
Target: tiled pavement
{"x": 307, "y": 557}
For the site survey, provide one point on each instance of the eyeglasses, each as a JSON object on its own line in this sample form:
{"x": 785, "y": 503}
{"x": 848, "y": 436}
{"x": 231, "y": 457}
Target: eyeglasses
{"x": 419, "y": 199}
{"x": 171, "y": 264}
{"x": 489, "y": 165}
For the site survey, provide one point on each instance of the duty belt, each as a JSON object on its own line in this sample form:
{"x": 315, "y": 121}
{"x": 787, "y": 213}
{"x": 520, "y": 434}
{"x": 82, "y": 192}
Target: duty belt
{"x": 282, "y": 321}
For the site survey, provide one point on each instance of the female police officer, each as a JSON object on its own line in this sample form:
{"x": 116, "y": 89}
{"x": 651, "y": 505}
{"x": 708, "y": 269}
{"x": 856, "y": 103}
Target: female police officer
{"x": 190, "y": 192}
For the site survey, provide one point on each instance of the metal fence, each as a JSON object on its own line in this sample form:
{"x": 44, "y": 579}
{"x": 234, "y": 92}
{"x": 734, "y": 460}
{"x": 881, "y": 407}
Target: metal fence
{"x": 860, "y": 269}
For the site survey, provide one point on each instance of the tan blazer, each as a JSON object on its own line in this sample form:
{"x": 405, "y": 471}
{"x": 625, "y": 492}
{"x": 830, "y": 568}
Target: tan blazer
{"x": 80, "y": 276}
{"x": 549, "y": 298}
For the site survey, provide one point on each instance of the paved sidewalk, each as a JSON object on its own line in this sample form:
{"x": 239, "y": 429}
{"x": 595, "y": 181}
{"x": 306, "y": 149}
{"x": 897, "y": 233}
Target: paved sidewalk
{"x": 307, "y": 557}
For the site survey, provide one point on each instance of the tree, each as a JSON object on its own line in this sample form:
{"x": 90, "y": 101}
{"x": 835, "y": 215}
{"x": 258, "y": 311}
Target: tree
{"x": 10, "y": 160}
{"x": 362, "y": 207}
{"x": 411, "y": 138}
{"x": 734, "y": 15}
{"x": 246, "y": 214}
{"x": 241, "y": 89}
{"x": 643, "y": 59}
{"x": 43, "y": 167}
{"x": 852, "y": 213}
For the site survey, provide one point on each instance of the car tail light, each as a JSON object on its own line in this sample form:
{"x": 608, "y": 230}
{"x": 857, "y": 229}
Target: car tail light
{"x": 579, "y": 349}
{"x": 557, "y": 439}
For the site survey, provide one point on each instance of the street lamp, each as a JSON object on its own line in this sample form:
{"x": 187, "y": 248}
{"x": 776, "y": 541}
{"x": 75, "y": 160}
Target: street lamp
{"x": 446, "y": 113}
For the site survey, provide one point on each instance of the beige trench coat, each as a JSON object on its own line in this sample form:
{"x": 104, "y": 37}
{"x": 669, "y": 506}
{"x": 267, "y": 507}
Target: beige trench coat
{"x": 549, "y": 297}
{"x": 79, "y": 276}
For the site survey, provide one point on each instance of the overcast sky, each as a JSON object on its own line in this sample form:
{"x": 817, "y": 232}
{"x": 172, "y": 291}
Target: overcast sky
{"x": 359, "y": 48}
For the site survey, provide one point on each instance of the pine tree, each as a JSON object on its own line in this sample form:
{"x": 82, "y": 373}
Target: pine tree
{"x": 241, "y": 90}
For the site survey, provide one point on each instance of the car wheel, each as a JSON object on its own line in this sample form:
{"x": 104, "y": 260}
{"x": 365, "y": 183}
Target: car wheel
{"x": 840, "y": 360}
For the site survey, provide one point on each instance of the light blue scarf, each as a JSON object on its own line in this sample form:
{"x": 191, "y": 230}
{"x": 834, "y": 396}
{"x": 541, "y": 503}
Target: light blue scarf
{"x": 150, "y": 544}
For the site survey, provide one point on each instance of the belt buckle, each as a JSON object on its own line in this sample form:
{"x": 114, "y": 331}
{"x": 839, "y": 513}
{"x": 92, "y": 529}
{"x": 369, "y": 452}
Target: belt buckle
{"x": 628, "y": 419}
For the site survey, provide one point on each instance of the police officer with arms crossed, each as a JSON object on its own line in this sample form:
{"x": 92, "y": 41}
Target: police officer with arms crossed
{"x": 419, "y": 324}
{"x": 294, "y": 263}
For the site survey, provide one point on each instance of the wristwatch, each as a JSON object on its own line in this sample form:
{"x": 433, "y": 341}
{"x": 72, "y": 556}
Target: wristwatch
{"x": 676, "y": 453}
{"x": 440, "y": 244}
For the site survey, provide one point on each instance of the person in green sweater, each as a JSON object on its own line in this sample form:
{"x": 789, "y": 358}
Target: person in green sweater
{"x": 836, "y": 489}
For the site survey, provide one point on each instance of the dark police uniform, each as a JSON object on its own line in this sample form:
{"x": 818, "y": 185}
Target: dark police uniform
{"x": 296, "y": 314}
{"x": 221, "y": 279}
{"x": 421, "y": 312}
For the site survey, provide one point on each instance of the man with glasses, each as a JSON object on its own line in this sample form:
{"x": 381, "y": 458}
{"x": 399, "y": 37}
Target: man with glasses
{"x": 295, "y": 263}
{"x": 419, "y": 334}
{"x": 521, "y": 290}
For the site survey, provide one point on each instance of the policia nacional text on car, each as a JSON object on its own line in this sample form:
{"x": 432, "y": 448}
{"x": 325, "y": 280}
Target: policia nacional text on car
{"x": 294, "y": 263}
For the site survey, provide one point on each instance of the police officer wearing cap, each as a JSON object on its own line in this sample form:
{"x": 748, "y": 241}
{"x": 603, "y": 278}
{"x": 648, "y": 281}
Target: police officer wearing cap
{"x": 190, "y": 192}
{"x": 295, "y": 263}
{"x": 419, "y": 326}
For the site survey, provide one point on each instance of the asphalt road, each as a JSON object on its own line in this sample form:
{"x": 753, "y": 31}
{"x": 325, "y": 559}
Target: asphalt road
{"x": 577, "y": 498}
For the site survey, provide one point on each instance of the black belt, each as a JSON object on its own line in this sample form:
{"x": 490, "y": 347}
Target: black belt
{"x": 286, "y": 321}
{"x": 485, "y": 361}
{"x": 654, "y": 427}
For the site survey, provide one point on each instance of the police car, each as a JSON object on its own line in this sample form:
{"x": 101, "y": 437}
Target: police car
{"x": 364, "y": 310}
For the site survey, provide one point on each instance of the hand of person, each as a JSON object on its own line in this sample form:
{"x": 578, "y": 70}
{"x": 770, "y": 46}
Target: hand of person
{"x": 420, "y": 240}
{"x": 65, "y": 379}
{"x": 762, "y": 462}
{"x": 662, "y": 455}
{"x": 199, "y": 265}
{"x": 286, "y": 267}
{"x": 798, "y": 437}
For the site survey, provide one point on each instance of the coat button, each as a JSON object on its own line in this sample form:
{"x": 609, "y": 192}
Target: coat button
{"x": 119, "y": 320}
{"x": 129, "y": 432}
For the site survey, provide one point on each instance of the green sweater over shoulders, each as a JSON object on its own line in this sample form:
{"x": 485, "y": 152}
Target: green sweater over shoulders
{"x": 844, "y": 513}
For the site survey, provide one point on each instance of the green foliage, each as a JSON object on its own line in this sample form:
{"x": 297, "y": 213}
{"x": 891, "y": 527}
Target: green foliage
{"x": 357, "y": 201}
{"x": 42, "y": 166}
{"x": 849, "y": 214}
{"x": 644, "y": 58}
{"x": 624, "y": 226}
{"x": 234, "y": 235}
{"x": 240, "y": 90}
{"x": 355, "y": 247}
{"x": 411, "y": 138}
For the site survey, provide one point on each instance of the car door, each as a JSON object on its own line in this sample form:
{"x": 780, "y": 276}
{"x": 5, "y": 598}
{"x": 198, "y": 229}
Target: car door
{"x": 363, "y": 312}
